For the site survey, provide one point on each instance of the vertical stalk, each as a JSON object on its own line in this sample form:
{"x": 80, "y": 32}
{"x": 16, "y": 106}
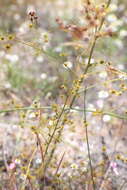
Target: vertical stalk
{"x": 87, "y": 142}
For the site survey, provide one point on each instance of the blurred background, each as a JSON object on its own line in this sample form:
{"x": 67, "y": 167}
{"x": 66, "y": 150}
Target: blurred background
{"x": 25, "y": 70}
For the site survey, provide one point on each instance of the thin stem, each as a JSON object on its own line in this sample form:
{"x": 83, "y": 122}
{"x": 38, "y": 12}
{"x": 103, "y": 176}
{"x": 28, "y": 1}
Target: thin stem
{"x": 54, "y": 148}
{"x": 109, "y": 1}
{"x": 87, "y": 142}
{"x": 91, "y": 52}
{"x": 90, "y": 55}
{"x": 86, "y": 69}
{"x": 23, "y": 109}
{"x": 40, "y": 145}
{"x": 103, "y": 19}
{"x": 57, "y": 169}
{"x": 85, "y": 120}
{"x": 103, "y": 112}
{"x": 50, "y": 140}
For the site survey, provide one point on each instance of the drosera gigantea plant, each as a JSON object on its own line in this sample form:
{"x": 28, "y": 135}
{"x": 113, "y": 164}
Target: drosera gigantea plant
{"x": 79, "y": 33}
{"x": 95, "y": 19}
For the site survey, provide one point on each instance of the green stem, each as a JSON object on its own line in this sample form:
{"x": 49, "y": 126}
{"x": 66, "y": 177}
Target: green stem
{"x": 87, "y": 142}
{"x": 50, "y": 140}
{"x": 102, "y": 21}
{"x": 23, "y": 109}
{"x": 76, "y": 109}
{"x": 102, "y": 112}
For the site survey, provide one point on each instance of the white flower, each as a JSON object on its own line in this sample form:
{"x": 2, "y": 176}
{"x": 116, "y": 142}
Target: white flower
{"x": 106, "y": 118}
{"x": 32, "y": 115}
{"x": 123, "y": 33}
{"x": 48, "y": 95}
{"x": 14, "y": 127}
{"x": 50, "y": 122}
{"x": 17, "y": 161}
{"x": 121, "y": 66}
{"x": 43, "y": 76}
{"x": 12, "y": 58}
{"x": 119, "y": 43}
{"x": 100, "y": 103}
{"x": 122, "y": 76}
{"x": 58, "y": 49}
{"x": 91, "y": 107}
{"x": 2, "y": 53}
{"x": 23, "y": 28}
{"x": 111, "y": 18}
{"x": 68, "y": 64}
{"x": 40, "y": 59}
{"x": 69, "y": 174}
{"x": 38, "y": 161}
{"x": 84, "y": 169}
{"x": 113, "y": 7}
{"x": 103, "y": 94}
{"x": 7, "y": 85}
{"x": 103, "y": 74}
{"x": 91, "y": 61}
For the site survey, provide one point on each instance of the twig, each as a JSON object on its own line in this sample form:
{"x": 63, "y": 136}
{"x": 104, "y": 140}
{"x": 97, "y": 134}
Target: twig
{"x": 23, "y": 109}
{"x": 41, "y": 149}
{"x": 57, "y": 169}
{"x": 50, "y": 140}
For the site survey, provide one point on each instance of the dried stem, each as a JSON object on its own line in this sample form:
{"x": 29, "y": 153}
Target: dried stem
{"x": 57, "y": 169}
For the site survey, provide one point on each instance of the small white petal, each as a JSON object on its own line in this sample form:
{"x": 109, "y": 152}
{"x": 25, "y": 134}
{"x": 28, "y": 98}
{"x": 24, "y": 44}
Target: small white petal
{"x": 40, "y": 59}
{"x": 103, "y": 94}
{"x": 12, "y": 58}
{"x": 38, "y": 161}
{"x": 92, "y": 61}
{"x": 106, "y": 118}
{"x": 111, "y": 18}
{"x": 50, "y": 122}
{"x": 119, "y": 43}
{"x": 113, "y": 7}
{"x": 43, "y": 76}
{"x": 121, "y": 66}
{"x": 123, "y": 33}
{"x": 68, "y": 64}
{"x": 100, "y": 103}
{"x": 103, "y": 74}
{"x": 32, "y": 115}
{"x": 58, "y": 49}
